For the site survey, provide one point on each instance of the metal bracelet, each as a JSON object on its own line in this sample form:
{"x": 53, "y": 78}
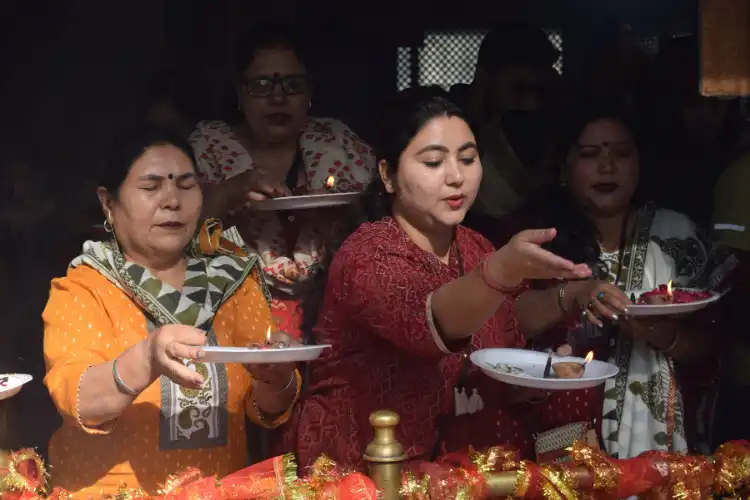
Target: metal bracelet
{"x": 671, "y": 346}
{"x": 561, "y": 298}
{"x": 122, "y": 386}
{"x": 261, "y": 414}
{"x": 291, "y": 381}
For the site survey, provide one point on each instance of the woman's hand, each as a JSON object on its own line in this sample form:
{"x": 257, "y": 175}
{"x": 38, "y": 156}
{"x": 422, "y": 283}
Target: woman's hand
{"x": 238, "y": 194}
{"x": 523, "y": 258}
{"x": 275, "y": 376}
{"x": 171, "y": 344}
{"x": 660, "y": 333}
{"x": 599, "y": 299}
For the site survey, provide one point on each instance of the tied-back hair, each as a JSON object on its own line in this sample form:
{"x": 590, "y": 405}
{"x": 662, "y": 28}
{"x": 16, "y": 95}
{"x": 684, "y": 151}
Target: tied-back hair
{"x": 131, "y": 143}
{"x": 577, "y": 237}
{"x": 402, "y": 119}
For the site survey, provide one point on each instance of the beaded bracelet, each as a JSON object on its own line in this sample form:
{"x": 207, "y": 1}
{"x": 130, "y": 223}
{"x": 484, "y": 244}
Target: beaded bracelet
{"x": 495, "y": 284}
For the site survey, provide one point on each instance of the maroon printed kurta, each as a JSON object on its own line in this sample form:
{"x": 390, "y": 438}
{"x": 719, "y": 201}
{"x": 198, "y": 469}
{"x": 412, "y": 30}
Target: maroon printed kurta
{"x": 385, "y": 355}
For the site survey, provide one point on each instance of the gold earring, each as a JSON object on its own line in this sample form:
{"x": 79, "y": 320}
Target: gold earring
{"x": 108, "y": 222}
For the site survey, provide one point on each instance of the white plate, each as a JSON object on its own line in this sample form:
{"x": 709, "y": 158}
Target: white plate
{"x": 217, "y": 354}
{"x": 639, "y": 310}
{"x": 13, "y": 383}
{"x": 307, "y": 201}
{"x": 526, "y": 369}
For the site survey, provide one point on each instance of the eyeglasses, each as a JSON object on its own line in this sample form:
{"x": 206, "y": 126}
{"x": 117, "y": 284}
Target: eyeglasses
{"x": 263, "y": 86}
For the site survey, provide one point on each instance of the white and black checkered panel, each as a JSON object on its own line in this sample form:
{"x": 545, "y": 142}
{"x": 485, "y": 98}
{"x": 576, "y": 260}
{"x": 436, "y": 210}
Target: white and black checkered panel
{"x": 403, "y": 68}
{"x": 448, "y": 57}
{"x": 555, "y": 37}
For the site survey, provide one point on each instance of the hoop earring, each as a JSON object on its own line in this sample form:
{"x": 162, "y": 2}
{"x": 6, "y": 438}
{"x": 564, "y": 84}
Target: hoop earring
{"x": 108, "y": 222}
{"x": 309, "y": 104}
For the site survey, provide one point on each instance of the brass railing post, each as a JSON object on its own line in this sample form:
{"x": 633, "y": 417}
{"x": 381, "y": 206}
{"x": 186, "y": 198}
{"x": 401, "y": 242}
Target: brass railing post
{"x": 384, "y": 454}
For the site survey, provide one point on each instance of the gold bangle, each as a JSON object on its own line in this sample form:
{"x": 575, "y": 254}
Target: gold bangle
{"x": 561, "y": 298}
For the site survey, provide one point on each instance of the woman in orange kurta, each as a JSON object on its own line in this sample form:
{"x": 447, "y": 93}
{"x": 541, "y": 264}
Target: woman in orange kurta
{"x": 124, "y": 332}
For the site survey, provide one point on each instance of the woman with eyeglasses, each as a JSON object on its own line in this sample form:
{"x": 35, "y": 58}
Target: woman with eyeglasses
{"x": 278, "y": 150}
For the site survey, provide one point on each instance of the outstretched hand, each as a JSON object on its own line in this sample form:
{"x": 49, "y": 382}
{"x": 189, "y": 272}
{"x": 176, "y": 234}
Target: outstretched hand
{"x": 523, "y": 258}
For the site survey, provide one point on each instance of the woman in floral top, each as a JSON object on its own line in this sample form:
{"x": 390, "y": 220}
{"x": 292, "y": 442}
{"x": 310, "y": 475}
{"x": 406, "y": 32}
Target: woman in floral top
{"x": 278, "y": 150}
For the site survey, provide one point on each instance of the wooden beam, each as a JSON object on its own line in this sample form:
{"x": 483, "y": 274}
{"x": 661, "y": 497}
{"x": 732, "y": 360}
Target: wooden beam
{"x": 725, "y": 47}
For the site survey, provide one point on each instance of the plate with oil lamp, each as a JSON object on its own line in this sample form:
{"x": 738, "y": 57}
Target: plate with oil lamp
{"x": 666, "y": 300}
{"x": 268, "y": 352}
{"x": 324, "y": 197}
{"x": 306, "y": 202}
{"x": 263, "y": 354}
{"x": 539, "y": 370}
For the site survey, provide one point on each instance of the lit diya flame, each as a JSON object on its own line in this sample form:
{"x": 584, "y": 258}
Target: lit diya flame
{"x": 669, "y": 290}
{"x": 589, "y": 357}
{"x": 278, "y": 344}
{"x": 330, "y": 182}
{"x": 571, "y": 369}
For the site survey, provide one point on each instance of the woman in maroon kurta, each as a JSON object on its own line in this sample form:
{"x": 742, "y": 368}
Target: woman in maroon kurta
{"x": 411, "y": 294}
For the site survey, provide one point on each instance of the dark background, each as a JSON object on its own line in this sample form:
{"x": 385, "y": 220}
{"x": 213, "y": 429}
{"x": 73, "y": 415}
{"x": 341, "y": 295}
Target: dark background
{"x": 74, "y": 70}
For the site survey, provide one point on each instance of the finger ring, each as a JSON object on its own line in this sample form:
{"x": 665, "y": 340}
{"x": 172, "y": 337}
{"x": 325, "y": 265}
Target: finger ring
{"x": 615, "y": 318}
{"x": 600, "y": 295}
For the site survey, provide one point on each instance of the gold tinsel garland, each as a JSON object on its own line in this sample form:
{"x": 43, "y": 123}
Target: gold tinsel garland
{"x": 589, "y": 475}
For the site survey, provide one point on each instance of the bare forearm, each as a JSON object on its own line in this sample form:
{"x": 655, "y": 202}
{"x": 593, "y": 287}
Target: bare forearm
{"x": 274, "y": 400}
{"x": 685, "y": 341}
{"x": 540, "y": 310}
{"x": 214, "y": 205}
{"x": 462, "y": 306}
{"x": 100, "y": 400}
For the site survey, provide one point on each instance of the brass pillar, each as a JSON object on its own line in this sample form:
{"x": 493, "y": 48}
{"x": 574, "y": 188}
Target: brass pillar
{"x": 384, "y": 454}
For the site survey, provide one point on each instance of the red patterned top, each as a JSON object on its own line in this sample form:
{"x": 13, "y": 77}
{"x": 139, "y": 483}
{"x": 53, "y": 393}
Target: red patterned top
{"x": 385, "y": 354}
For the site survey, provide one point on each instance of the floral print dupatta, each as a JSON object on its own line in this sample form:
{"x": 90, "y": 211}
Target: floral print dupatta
{"x": 643, "y": 408}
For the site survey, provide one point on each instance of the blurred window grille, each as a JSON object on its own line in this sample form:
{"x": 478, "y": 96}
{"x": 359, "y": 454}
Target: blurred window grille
{"x": 449, "y": 57}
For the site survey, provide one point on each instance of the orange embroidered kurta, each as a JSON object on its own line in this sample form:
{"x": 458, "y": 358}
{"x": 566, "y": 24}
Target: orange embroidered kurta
{"x": 89, "y": 321}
